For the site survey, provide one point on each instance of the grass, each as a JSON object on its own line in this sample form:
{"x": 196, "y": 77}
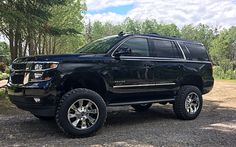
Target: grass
{"x": 4, "y": 101}
{"x": 2, "y": 93}
{"x": 226, "y": 80}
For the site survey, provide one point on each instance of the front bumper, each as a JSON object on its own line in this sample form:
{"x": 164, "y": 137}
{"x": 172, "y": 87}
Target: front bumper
{"x": 27, "y": 98}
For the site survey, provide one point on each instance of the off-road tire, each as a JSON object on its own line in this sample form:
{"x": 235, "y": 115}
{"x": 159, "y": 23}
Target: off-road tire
{"x": 67, "y": 100}
{"x": 179, "y": 104}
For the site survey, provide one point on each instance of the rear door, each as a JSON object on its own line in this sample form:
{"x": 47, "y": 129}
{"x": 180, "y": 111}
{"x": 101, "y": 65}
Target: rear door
{"x": 168, "y": 64}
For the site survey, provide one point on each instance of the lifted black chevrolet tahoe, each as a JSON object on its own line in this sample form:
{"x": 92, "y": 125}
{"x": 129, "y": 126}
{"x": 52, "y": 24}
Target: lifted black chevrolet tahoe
{"x": 125, "y": 69}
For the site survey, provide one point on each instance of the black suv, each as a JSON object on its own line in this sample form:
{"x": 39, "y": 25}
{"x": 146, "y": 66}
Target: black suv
{"x": 124, "y": 69}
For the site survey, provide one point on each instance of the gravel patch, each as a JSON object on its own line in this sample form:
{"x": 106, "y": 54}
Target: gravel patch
{"x": 215, "y": 126}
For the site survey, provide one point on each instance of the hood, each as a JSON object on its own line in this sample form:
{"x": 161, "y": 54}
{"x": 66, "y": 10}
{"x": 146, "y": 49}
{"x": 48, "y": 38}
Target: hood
{"x": 59, "y": 58}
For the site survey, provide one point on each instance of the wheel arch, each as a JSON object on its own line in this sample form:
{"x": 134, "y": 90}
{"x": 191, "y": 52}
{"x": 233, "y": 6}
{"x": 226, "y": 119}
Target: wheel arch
{"x": 89, "y": 80}
{"x": 195, "y": 80}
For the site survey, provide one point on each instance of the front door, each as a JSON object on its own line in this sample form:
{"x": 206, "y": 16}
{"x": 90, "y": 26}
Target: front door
{"x": 132, "y": 74}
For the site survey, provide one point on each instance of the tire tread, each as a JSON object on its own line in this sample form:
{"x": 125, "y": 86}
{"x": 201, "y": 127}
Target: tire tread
{"x": 179, "y": 106}
{"x": 61, "y": 102}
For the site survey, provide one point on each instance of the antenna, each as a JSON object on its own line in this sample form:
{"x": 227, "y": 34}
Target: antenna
{"x": 121, "y": 33}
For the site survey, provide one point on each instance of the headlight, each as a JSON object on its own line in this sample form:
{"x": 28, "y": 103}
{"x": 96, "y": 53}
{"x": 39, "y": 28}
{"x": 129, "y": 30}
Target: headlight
{"x": 38, "y": 66}
{"x": 53, "y": 65}
{"x": 40, "y": 69}
{"x": 44, "y": 66}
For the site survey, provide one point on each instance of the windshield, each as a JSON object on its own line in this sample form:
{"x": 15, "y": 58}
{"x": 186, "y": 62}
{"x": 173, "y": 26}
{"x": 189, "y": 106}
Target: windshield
{"x": 100, "y": 46}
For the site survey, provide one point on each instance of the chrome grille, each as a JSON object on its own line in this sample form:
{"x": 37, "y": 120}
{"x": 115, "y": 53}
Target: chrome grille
{"x": 18, "y": 73}
{"x": 17, "y": 79}
{"x": 19, "y": 66}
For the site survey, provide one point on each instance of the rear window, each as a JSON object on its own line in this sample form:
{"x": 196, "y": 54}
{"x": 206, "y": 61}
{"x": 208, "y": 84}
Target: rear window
{"x": 197, "y": 52}
{"x": 165, "y": 49}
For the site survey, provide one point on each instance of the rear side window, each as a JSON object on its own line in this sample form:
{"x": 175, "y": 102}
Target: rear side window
{"x": 185, "y": 50}
{"x": 138, "y": 46}
{"x": 165, "y": 49}
{"x": 197, "y": 51}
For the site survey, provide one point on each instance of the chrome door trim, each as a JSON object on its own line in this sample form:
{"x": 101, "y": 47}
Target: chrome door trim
{"x": 161, "y": 59}
{"x": 143, "y": 85}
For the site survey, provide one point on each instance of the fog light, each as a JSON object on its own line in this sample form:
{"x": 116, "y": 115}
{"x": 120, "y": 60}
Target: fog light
{"x": 46, "y": 78}
{"x": 38, "y": 75}
{"x": 37, "y": 100}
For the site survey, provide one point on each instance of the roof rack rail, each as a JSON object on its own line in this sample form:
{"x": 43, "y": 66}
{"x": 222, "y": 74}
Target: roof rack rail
{"x": 154, "y": 34}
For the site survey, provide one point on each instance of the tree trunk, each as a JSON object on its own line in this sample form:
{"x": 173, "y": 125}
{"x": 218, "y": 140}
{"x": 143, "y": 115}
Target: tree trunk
{"x": 16, "y": 43}
{"x": 54, "y": 45}
{"x": 50, "y": 45}
{"x": 20, "y": 46}
{"x": 39, "y": 44}
{"x": 11, "y": 42}
{"x": 44, "y": 44}
{"x": 26, "y": 45}
{"x": 31, "y": 43}
{"x": 35, "y": 45}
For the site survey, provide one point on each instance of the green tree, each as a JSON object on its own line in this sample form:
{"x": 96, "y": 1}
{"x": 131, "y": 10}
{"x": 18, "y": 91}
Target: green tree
{"x": 68, "y": 18}
{"x": 98, "y": 30}
{"x": 4, "y": 52}
{"x": 4, "y": 49}
{"x": 219, "y": 48}
{"x": 168, "y": 30}
{"x": 40, "y": 27}
{"x": 223, "y": 46}
{"x": 132, "y": 26}
{"x": 201, "y": 33}
{"x": 149, "y": 26}
{"x": 21, "y": 20}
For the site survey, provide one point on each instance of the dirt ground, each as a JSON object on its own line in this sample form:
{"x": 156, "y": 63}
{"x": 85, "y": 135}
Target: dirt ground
{"x": 215, "y": 126}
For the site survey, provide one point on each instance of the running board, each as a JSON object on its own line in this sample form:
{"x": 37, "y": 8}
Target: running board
{"x": 141, "y": 102}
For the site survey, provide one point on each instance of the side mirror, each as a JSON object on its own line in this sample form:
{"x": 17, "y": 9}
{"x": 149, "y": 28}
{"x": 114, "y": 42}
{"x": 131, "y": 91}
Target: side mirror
{"x": 123, "y": 51}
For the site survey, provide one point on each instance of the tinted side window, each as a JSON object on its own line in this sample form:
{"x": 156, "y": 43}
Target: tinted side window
{"x": 165, "y": 49}
{"x": 198, "y": 52}
{"x": 138, "y": 46}
{"x": 185, "y": 50}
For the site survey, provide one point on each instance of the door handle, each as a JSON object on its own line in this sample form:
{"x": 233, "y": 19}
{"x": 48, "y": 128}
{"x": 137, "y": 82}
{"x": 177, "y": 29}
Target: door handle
{"x": 149, "y": 65}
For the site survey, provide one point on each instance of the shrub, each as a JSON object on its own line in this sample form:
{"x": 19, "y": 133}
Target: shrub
{"x": 218, "y": 73}
{"x": 231, "y": 74}
{"x": 226, "y": 65}
{"x": 7, "y": 70}
{"x": 2, "y": 67}
{"x": 3, "y": 75}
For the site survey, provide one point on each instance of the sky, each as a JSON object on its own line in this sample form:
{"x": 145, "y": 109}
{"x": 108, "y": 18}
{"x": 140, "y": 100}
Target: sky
{"x": 217, "y": 13}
